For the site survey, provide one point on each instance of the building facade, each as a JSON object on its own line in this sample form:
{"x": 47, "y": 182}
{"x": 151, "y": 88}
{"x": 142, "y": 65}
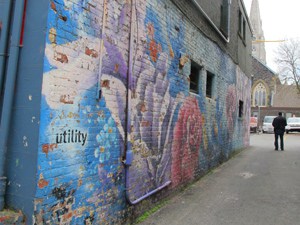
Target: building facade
{"x": 116, "y": 104}
{"x": 264, "y": 84}
{"x": 269, "y": 96}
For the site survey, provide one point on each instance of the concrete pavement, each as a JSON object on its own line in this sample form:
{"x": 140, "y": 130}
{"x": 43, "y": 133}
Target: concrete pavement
{"x": 259, "y": 186}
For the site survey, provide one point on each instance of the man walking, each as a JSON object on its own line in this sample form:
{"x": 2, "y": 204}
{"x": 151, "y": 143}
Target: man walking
{"x": 279, "y": 124}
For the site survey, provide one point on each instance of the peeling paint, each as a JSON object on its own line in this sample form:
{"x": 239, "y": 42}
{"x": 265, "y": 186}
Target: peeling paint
{"x": 183, "y": 60}
{"x": 53, "y": 6}
{"x": 25, "y": 141}
{"x": 42, "y": 183}
{"x": 61, "y": 57}
{"x": 52, "y": 36}
{"x": 66, "y": 99}
{"x": 48, "y": 147}
{"x": 91, "y": 52}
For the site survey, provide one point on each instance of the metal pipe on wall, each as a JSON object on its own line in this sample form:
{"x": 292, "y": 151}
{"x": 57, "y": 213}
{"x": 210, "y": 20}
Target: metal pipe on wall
{"x": 4, "y": 33}
{"x": 11, "y": 74}
{"x": 104, "y": 18}
{"x": 129, "y": 152}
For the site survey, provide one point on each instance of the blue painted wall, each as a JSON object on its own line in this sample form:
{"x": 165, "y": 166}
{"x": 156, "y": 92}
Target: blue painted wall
{"x": 24, "y": 132}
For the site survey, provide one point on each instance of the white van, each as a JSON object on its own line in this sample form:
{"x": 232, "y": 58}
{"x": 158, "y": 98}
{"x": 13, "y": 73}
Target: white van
{"x": 267, "y": 125}
{"x": 293, "y": 124}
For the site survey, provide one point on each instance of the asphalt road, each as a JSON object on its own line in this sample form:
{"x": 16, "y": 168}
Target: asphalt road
{"x": 259, "y": 186}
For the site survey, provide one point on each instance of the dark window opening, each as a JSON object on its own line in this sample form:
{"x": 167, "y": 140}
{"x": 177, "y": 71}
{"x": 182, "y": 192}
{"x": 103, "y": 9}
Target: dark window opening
{"x": 194, "y": 78}
{"x": 209, "y": 84}
{"x": 241, "y": 109}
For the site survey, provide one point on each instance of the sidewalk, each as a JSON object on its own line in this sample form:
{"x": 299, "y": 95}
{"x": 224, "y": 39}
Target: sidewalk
{"x": 259, "y": 186}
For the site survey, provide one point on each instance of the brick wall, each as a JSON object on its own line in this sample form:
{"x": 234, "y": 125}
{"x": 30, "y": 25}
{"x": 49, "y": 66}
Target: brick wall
{"x": 176, "y": 136}
{"x": 263, "y": 74}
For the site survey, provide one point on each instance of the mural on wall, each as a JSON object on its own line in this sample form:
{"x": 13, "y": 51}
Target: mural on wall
{"x": 231, "y": 108}
{"x": 153, "y": 107}
{"x": 80, "y": 164}
{"x": 243, "y": 86}
{"x": 186, "y": 144}
{"x": 174, "y": 134}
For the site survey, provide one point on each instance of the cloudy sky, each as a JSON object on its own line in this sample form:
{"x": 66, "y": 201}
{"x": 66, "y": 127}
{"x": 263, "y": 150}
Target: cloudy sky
{"x": 280, "y": 21}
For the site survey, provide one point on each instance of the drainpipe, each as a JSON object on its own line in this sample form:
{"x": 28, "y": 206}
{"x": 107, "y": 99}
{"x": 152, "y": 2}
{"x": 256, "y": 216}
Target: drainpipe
{"x": 104, "y": 18}
{"x": 8, "y": 97}
{"x": 129, "y": 153}
{"x": 6, "y": 8}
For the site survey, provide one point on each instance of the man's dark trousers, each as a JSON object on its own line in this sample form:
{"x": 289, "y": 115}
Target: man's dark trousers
{"x": 281, "y": 140}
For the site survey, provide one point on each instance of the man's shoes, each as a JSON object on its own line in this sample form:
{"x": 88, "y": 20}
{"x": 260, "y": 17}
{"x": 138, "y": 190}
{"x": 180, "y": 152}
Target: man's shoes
{"x": 276, "y": 149}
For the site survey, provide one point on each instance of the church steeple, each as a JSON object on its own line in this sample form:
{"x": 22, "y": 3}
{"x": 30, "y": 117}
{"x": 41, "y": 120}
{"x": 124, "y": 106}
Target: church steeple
{"x": 258, "y": 48}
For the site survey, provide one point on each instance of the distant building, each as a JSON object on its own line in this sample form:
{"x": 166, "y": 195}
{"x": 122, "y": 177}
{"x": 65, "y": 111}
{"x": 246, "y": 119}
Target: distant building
{"x": 286, "y": 96}
{"x": 258, "y": 45}
{"x": 268, "y": 95}
{"x": 264, "y": 82}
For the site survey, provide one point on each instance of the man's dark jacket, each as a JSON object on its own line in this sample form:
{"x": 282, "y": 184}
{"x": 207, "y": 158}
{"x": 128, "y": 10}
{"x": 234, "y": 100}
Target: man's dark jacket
{"x": 279, "y": 124}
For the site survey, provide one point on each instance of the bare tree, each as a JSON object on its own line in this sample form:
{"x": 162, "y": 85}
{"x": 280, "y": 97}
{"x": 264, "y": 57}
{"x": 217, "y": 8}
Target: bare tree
{"x": 288, "y": 60}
